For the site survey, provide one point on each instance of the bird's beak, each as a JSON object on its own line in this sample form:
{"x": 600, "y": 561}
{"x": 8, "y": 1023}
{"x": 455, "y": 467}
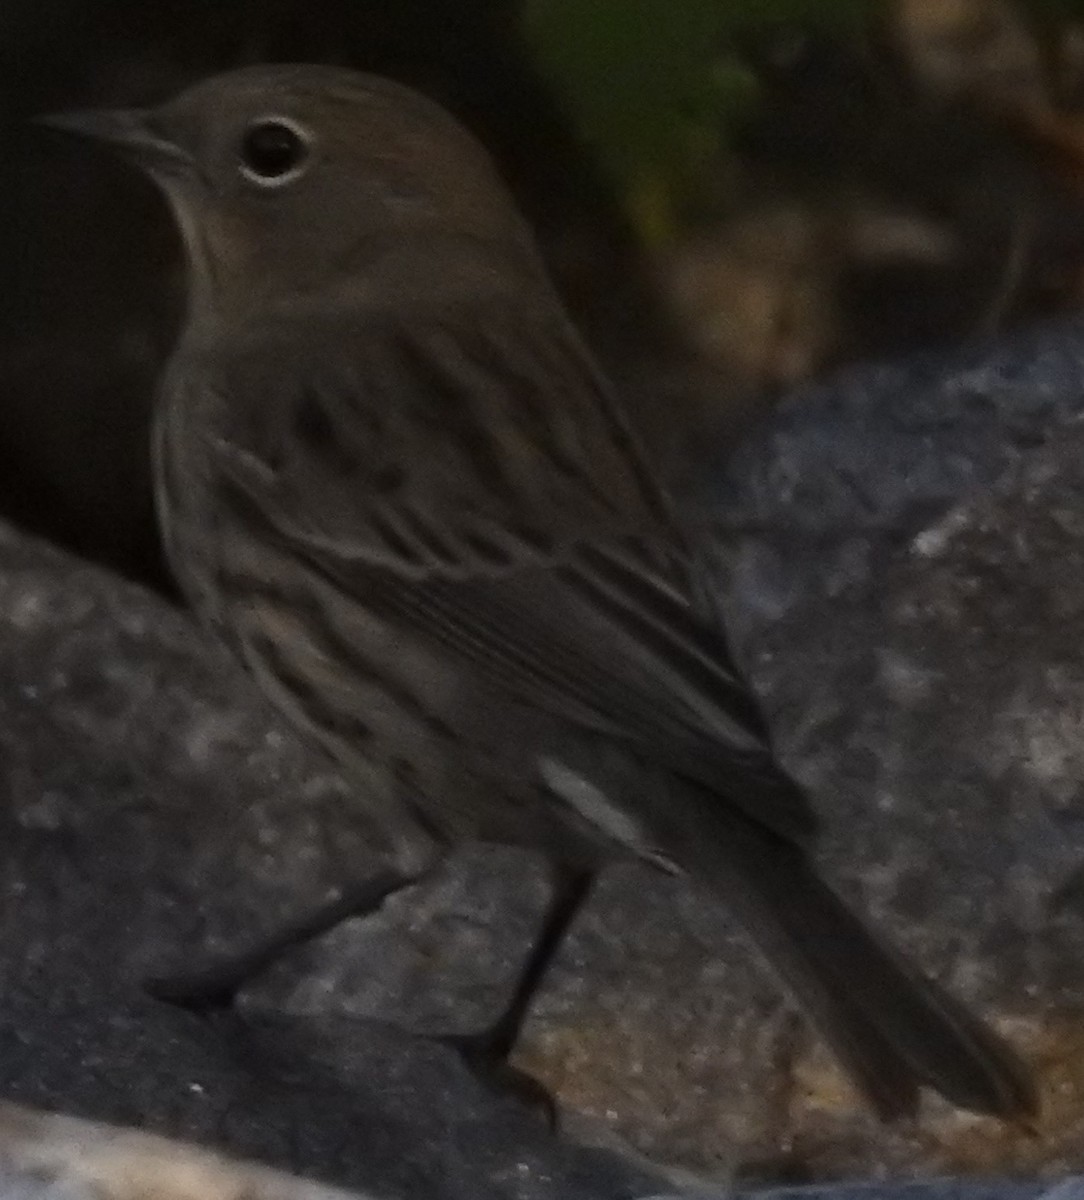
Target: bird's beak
{"x": 132, "y": 131}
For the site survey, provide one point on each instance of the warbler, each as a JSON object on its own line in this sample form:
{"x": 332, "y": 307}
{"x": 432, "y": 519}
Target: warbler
{"x": 393, "y": 481}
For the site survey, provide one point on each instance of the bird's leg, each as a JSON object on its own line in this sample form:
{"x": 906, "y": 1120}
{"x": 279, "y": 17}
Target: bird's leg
{"x": 487, "y": 1052}
{"x": 214, "y": 985}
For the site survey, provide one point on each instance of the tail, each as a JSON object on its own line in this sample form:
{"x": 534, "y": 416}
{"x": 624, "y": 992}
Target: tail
{"x": 893, "y": 1029}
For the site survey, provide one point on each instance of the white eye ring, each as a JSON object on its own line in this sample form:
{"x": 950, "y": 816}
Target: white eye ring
{"x": 274, "y": 151}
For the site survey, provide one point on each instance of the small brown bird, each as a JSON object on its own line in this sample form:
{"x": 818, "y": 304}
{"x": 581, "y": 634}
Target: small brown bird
{"x": 391, "y": 478}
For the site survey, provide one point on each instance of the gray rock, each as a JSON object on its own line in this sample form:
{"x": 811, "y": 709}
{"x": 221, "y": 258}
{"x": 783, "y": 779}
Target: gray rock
{"x": 439, "y": 958}
{"x": 151, "y": 807}
{"x": 939, "y": 1189}
{"x": 23, "y": 1185}
{"x": 899, "y": 558}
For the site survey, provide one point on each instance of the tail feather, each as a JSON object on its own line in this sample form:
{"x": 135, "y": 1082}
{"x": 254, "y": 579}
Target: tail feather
{"x": 893, "y": 1029}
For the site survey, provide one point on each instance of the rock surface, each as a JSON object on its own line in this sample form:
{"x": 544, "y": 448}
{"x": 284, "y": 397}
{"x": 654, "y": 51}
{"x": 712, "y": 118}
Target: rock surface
{"x": 900, "y": 558}
{"x": 150, "y": 806}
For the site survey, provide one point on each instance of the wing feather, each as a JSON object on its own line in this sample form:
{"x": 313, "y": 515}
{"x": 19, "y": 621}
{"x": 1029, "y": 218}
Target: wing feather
{"x": 508, "y": 516}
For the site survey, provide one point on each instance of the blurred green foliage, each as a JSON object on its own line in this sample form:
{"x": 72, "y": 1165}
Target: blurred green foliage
{"x": 654, "y": 85}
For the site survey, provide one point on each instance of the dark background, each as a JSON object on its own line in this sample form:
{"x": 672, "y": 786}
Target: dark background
{"x": 875, "y": 211}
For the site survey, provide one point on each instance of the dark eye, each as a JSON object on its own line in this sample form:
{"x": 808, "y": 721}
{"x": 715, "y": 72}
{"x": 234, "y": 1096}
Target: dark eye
{"x": 273, "y": 151}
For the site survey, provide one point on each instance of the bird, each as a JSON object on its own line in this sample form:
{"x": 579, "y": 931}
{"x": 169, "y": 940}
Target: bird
{"x": 392, "y": 480}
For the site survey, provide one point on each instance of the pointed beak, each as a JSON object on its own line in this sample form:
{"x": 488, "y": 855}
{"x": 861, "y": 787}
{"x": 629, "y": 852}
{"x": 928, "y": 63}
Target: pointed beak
{"x": 132, "y": 131}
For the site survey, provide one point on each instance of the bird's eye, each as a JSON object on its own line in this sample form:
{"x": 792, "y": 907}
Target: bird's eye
{"x": 273, "y": 151}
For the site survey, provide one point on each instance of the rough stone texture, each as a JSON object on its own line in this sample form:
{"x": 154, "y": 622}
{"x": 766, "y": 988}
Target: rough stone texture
{"x": 940, "y": 1189}
{"x": 901, "y": 559}
{"x": 901, "y": 562}
{"x": 151, "y": 805}
{"x": 52, "y": 1156}
{"x": 438, "y": 959}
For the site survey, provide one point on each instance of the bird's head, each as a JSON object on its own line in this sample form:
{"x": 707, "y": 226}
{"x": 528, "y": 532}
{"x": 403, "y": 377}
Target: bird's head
{"x": 292, "y": 179}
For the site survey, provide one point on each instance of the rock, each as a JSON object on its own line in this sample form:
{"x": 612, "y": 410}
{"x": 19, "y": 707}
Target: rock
{"x": 49, "y": 1157}
{"x": 151, "y": 806}
{"x": 440, "y": 958}
{"x": 899, "y": 557}
{"x": 940, "y": 1189}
